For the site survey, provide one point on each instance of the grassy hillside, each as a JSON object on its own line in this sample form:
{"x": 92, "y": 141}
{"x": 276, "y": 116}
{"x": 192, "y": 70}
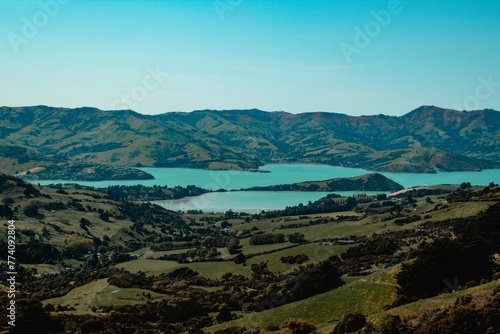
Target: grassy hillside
{"x": 427, "y": 139}
{"x": 367, "y": 294}
{"x": 89, "y": 260}
{"x": 50, "y": 215}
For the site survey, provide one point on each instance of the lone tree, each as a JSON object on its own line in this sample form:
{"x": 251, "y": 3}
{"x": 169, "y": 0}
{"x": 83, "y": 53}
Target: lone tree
{"x": 465, "y": 185}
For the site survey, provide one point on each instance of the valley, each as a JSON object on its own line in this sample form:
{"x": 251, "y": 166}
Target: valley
{"x": 250, "y": 167}
{"x": 237, "y": 270}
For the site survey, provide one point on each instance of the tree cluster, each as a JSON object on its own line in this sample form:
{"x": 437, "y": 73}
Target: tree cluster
{"x": 154, "y": 193}
{"x": 267, "y": 238}
{"x": 295, "y": 259}
{"x": 466, "y": 258}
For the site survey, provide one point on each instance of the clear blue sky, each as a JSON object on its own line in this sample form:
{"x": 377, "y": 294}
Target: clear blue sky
{"x": 291, "y": 55}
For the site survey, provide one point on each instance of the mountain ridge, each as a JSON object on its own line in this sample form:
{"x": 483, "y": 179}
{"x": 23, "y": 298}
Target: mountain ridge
{"x": 427, "y": 139}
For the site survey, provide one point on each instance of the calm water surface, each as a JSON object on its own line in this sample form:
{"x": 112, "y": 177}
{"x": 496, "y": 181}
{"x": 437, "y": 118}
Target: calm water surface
{"x": 249, "y": 201}
{"x": 278, "y": 174}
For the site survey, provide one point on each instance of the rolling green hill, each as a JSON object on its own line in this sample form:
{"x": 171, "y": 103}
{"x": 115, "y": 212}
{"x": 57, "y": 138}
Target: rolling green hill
{"x": 428, "y": 139}
{"x": 58, "y": 216}
{"x": 90, "y": 261}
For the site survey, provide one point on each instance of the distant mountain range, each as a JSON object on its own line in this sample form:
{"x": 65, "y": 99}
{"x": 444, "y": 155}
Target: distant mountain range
{"x": 427, "y": 139}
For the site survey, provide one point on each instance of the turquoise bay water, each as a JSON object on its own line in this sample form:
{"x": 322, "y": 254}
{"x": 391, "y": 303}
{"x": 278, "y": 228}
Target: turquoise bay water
{"x": 278, "y": 174}
{"x": 249, "y": 201}
{"x": 230, "y": 180}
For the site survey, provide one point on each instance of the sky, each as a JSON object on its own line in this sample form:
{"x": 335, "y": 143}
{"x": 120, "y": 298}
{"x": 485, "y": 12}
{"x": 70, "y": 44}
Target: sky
{"x": 357, "y": 57}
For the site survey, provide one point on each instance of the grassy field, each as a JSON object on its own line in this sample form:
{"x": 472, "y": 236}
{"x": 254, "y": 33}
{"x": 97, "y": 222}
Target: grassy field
{"x": 99, "y": 293}
{"x": 44, "y": 268}
{"x": 256, "y": 249}
{"x": 149, "y": 264}
{"x": 367, "y": 295}
{"x": 113, "y": 295}
{"x": 359, "y": 294}
{"x": 214, "y": 270}
{"x": 81, "y": 298}
{"x": 363, "y": 294}
{"x": 438, "y": 302}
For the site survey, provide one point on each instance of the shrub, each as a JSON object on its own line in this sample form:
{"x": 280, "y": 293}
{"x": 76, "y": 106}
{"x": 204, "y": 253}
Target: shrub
{"x": 79, "y": 244}
{"x": 31, "y": 191}
{"x": 349, "y": 323}
{"x": 6, "y": 211}
{"x": 233, "y": 247}
{"x": 477, "y": 313}
{"x": 104, "y": 216}
{"x": 390, "y": 324}
{"x": 297, "y": 326}
{"x": 224, "y": 314}
{"x": 240, "y": 258}
{"x": 32, "y": 211}
{"x": 292, "y": 259}
{"x": 267, "y": 238}
{"x": 296, "y": 238}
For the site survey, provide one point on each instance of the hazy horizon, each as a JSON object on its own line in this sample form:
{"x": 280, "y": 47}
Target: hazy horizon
{"x": 247, "y": 109}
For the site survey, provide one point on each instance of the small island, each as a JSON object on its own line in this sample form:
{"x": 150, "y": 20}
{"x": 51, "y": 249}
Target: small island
{"x": 84, "y": 171}
{"x": 367, "y": 182}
